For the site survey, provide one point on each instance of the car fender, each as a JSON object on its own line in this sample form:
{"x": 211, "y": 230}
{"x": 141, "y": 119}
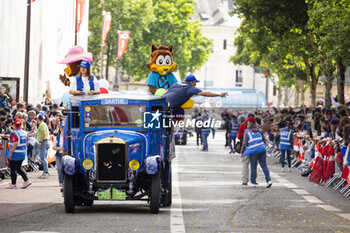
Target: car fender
{"x": 152, "y": 164}
{"x": 68, "y": 165}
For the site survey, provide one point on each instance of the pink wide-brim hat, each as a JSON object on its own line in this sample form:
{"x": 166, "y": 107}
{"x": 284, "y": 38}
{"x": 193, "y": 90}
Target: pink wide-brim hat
{"x": 75, "y": 54}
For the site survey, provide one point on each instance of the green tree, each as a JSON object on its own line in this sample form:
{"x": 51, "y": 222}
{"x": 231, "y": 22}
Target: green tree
{"x": 159, "y": 22}
{"x": 135, "y": 16}
{"x": 329, "y": 22}
{"x": 284, "y": 26}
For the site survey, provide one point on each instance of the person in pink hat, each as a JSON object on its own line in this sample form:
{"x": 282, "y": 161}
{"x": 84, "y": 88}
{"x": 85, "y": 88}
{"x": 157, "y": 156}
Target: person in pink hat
{"x": 16, "y": 155}
{"x": 73, "y": 59}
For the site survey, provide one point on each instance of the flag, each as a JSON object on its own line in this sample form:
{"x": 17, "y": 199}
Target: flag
{"x": 317, "y": 170}
{"x": 123, "y": 43}
{"x": 80, "y": 8}
{"x": 346, "y": 173}
{"x": 106, "y": 25}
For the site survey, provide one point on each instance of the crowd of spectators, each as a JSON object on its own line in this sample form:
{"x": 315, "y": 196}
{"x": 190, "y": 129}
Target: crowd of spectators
{"x": 28, "y": 114}
{"x": 317, "y": 132}
{"x": 45, "y": 117}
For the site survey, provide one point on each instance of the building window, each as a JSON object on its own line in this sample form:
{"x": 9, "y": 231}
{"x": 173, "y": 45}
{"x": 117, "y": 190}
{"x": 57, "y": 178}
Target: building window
{"x": 239, "y": 78}
{"x": 225, "y": 44}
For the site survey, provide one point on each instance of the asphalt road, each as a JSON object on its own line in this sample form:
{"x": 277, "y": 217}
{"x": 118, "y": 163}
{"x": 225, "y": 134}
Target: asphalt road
{"x": 207, "y": 197}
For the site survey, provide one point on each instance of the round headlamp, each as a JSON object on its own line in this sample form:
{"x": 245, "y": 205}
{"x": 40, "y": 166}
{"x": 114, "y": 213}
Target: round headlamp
{"x": 88, "y": 164}
{"x": 134, "y": 164}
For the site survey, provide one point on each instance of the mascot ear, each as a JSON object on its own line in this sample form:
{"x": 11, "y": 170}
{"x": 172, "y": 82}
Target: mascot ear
{"x": 154, "y": 47}
{"x": 170, "y": 48}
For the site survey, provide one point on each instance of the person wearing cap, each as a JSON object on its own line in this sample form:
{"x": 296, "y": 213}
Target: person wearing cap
{"x": 59, "y": 147}
{"x": 84, "y": 82}
{"x": 3, "y": 101}
{"x": 16, "y": 155}
{"x": 180, "y": 92}
{"x": 245, "y": 159}
{"x": 254, "y": 147}
{"x": 43, "y": 136}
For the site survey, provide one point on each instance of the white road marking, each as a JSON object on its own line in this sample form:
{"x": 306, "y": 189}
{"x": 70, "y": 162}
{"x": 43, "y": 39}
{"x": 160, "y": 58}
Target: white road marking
{"x": 206, "y": 172}
{"x": 219, "y": 167}
{"x": 312, "y": 199}
{"x": 39, "y": 232}
{"x": 301, "y": 191}
{"x": 210, "y": 201}
{"x": 347, "y": 216}
{"x": 290, "y": 185}
{"x": 176, "y": 216}
{"x": 329, "y": 208}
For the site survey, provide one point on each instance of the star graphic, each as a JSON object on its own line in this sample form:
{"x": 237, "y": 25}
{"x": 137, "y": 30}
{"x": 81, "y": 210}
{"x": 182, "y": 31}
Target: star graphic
{"x": 155, "y": 115}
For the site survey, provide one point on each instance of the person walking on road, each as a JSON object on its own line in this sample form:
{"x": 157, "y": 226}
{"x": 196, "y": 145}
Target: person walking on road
{"x": 233, "y": 125}
{"x": 198, "y": 130}
{"x": 16, "y": 155}
{"x": 205, "y": 133}
{"x": 245, "y": 159}
{"x": 43, "y": 138}
{"x": 254, "y": 146}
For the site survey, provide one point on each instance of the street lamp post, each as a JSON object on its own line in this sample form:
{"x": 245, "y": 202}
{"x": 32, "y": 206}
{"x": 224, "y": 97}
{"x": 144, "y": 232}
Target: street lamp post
{"x": 116, "y": 81}
{"x": 76, "y": 26}
{"x": 102, "y": 45}
{"x": 26, "y": 56}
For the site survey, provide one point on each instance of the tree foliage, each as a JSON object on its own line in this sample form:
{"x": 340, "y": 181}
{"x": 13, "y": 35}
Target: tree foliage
{"x": 295, "y": 39}
{"x": 159, "y": 22}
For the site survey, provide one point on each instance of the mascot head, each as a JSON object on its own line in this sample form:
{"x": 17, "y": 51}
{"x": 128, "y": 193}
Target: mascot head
{"x": 73, "y": 59}
{"x": 162, "y": 60}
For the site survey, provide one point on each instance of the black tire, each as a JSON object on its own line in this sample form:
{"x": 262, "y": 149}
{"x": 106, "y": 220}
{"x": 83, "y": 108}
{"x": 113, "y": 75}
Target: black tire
{"x": 167, "y": 198}
{"x": 68, "y": 191}
{"x": 155, "y": 193}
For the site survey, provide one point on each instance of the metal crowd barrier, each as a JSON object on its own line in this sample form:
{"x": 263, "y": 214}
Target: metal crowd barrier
{"x": 337, "y": 180}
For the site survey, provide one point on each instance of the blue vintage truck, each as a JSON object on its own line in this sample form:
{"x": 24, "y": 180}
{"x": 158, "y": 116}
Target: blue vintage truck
{"x": 113, "y": 154}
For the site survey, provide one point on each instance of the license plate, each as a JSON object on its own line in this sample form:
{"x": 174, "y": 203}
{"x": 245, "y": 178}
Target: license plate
{"x": 111, "y": 194}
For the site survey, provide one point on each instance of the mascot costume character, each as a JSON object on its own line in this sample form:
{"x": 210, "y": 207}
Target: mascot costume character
{"x": 162, "y": 66}
{"x": 73, "y": 59}
{"x": 161, "y": 77}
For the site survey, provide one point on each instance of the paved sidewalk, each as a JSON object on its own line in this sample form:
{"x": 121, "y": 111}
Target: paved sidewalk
{"x": 41, "y": 194}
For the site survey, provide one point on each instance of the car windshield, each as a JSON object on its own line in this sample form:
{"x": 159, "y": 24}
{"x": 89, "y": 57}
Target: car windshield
{"x": 113, "y": 115}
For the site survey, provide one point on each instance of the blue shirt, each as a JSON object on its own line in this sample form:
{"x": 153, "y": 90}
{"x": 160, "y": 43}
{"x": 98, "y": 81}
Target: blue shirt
{"x": 179, "y": 93}
{"x": 159, "y": 81}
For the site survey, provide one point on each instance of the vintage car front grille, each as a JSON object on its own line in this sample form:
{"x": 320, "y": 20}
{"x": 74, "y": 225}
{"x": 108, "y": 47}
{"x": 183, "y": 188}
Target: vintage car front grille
{"x": 111, "y": 159}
